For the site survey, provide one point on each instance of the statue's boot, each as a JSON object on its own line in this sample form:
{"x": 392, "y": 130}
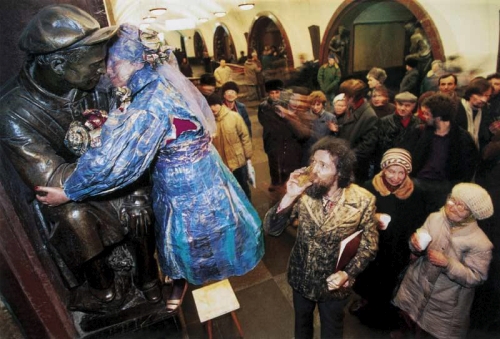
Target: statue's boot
{"x": 146, "y": 271}
{"x": 152, "y": 291}
{"x": 101, "y": 279}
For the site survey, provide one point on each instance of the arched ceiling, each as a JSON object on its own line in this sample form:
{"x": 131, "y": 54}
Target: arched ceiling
{"x": 133, "y": 11}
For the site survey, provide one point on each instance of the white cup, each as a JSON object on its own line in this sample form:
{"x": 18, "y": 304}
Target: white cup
{"x": 424, "y": 238}
{"x": 384, "y": 219}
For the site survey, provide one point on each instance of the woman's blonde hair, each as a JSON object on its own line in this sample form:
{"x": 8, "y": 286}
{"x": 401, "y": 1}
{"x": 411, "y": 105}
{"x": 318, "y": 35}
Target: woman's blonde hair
{"x": 317, "y": 96}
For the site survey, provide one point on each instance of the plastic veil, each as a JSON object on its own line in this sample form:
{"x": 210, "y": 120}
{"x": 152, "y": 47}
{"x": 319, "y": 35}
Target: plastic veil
{"x": 136, "y": 46}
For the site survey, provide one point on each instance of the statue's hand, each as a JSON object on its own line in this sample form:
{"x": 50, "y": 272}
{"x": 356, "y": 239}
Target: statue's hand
{"x": 51, "y": 196}
{"x": 136, "y": 213}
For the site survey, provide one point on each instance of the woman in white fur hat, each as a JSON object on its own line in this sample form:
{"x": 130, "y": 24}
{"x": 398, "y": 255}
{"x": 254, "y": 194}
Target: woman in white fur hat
{"x": 438, "y": 288}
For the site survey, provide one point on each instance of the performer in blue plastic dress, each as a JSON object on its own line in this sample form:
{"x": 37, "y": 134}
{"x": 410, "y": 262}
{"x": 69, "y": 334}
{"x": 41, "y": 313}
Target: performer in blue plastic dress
{"x": 206, "y": 229}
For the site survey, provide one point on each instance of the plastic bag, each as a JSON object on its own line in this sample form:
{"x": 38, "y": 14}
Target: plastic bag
{"x": 251, "y": 174}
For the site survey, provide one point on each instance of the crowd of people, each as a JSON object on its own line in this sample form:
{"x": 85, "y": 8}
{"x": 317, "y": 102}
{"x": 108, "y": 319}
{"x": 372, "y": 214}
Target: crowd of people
{"x": 428, "y": 152}
{"x": 431, "y": 163}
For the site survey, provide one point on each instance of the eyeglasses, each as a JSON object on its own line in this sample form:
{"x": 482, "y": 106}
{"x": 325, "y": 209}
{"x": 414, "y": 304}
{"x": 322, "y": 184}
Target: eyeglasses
{"x": 459, "y": 206}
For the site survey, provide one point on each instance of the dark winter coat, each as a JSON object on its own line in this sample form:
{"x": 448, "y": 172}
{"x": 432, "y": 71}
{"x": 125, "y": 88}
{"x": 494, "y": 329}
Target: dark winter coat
{"x": 282, "y": 143}
{"x": 391, "y": 133}
{"x": 359, "y": 127}
{"x": 463, "y": 155}
{"x": 411, "y": 82}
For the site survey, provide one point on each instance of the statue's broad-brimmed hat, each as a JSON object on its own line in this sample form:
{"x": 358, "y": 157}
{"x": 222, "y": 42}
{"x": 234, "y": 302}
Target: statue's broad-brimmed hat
{"x": 63, "y": 26}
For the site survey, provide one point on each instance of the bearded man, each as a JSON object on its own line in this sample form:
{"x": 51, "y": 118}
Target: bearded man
{"x": 329, "y": 208}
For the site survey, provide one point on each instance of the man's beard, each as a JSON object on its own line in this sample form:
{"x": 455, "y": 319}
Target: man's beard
{"x": 319, "y": 189}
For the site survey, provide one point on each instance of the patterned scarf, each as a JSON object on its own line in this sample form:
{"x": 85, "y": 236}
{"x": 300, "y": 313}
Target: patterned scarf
{"x": 402, "y": 192}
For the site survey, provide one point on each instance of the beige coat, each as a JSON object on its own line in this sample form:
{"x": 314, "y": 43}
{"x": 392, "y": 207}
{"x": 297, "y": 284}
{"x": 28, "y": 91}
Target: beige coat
{"x": 232, "y": 140}
{"x": 439, "y": 299}
{"x": 222, "y": 75}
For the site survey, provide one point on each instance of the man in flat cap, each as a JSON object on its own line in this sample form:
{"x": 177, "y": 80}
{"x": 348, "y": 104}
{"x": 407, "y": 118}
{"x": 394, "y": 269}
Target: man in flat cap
{"x": 401, "y": 129}
{"x": 66, "y": 51}
{"x": 282, "y": 143}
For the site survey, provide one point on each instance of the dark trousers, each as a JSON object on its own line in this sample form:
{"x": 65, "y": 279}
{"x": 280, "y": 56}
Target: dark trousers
{"x": 241, "y": 175}
{"x": 278, "y": 172}
{"x": 331, "y": 315}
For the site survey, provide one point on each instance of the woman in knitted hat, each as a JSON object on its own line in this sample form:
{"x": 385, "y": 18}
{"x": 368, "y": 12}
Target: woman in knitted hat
{"x": 438, "y": 288}
{"x": 206, "y": 229}
{"x": 400, "y": 202}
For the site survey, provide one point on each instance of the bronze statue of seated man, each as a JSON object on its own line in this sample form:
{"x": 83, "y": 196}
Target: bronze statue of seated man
{"x": 65, "y": 58}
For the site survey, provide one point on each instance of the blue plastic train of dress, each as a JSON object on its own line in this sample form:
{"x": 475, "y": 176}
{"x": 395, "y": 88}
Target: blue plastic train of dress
{"x": 206, "y": 228}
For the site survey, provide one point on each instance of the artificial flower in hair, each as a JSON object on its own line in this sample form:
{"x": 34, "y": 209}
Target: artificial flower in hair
{"x": 155, "y": 53}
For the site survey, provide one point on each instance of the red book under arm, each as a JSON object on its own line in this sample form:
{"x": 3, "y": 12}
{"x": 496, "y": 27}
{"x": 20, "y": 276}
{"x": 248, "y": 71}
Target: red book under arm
{"x": 348, "y": 249}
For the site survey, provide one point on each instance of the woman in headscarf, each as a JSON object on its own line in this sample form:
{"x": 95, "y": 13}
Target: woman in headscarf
{"x": 399, "y": 201}
{"x": 438, "y": 287}
{"x": 206, "y": 229}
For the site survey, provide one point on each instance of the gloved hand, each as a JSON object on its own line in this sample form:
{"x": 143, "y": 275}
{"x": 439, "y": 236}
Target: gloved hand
{"x": 136, "y": 213}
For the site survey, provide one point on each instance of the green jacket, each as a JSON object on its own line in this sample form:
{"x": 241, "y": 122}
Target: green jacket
{"x": 329, "y": 78}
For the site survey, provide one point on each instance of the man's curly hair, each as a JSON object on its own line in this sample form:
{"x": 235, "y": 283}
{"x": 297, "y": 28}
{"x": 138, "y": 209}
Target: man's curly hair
{"x": 441, "y": 106}
{"x": 342, "y": 155}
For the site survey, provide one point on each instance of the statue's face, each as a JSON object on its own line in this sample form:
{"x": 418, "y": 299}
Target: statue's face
{"x": 85, "y": 73}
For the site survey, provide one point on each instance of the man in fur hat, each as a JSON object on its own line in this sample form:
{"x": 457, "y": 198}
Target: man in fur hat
{"x": 207, "y": 84}
{"x": 281, "y": 141}
{"x": 230, "y": 92}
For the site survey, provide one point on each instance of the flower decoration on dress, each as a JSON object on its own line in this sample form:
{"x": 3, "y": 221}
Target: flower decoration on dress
{"x": 153, "y": 53}
{"x": 77, "y": 139}
{"x": 82, "y": 135}
{"x": 124, "y": 94}
{"x": 95, "y": 118}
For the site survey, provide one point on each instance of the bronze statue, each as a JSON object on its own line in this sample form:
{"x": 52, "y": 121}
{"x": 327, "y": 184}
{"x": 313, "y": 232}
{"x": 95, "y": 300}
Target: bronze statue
{"x": 339, "y": 46}
{"x": 66, "y": 51}
{"x": 419, "y": 47}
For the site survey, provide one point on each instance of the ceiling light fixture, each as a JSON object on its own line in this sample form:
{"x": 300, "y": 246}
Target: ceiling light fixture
{"x": 203, "y": 19}
{"x": 220, "y": 14}
{"x": 246, "y": 6}
{"x": 149, "y": 19}
{"x": 158, "y": 11}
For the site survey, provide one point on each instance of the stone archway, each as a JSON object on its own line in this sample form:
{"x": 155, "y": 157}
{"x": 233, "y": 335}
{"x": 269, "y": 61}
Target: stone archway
{"x": 267, "y": 26}
{"x": 223, "y": 43}
{"x": 350, "y": 9}
{"x": 199, "y": 45}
